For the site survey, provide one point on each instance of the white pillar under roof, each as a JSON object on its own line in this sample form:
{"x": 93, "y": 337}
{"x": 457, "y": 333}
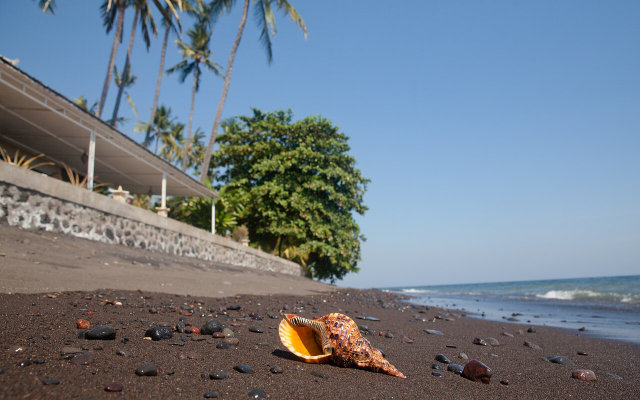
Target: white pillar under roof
{"x": 91, "y": 161}
{"x": 164, "y": 191}
{"x": 213, "y": 215}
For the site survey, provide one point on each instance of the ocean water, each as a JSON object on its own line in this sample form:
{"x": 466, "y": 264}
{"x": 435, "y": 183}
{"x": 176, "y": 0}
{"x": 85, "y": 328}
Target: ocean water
{"x": 607, "y": 307}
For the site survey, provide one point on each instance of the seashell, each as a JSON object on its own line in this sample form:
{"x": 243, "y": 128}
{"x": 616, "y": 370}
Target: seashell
{"x": 332, "y": 338}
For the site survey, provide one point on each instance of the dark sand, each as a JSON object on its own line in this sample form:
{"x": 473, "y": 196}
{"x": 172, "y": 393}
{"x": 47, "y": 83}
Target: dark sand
{"x": 37, "y": 326}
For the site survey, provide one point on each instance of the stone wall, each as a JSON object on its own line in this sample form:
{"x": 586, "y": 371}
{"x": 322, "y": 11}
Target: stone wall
{"x": 30, "y": 200}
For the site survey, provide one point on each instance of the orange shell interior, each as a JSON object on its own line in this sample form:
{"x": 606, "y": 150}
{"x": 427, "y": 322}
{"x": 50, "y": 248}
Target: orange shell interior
{"x": 301, "y": 341}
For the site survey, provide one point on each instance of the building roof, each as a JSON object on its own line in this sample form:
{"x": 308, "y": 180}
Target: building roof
{"x": 38, "y": 119}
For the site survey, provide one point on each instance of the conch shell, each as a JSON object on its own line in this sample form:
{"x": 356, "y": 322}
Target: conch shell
{"x": 332, "y": 338}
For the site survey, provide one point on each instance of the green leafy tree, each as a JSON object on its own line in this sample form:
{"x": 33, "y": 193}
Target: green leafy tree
{"x": 195, "y": 54}
{"x": 267, "y": 25}
{"x": 300, "y": 188}
{"x": 163, "y": 123}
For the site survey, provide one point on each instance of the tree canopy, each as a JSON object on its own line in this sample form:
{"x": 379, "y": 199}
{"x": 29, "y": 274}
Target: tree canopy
{"x": 299, "y": 188}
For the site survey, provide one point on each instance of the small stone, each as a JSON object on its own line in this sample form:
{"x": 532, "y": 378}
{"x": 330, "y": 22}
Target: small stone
{"x": 159, "y": 333}
{"x": 436, "y": 366}
{"x": 147, "y": 369}
{"x": 433, "y": 332}
{"x": 319, "y": 374}
{"x": 582, "y": 353}
{"x": 180, "y": 327}
{"x": 436, "y": 374}
{"x": 492, "y": 341}
{"x": 211, "y": 395}
{"x": 50, "y": 381}
{"x": 100, "y": 333}
{"x": 388, "y": 335}
{"x": 443, "y": 359}
{"x": 532, "y": 329}
{"x": 372, "y": 319}
{"x": 363, "y": 328}
{"x": 255, "y": 329}
{"x": 477, "y": 371}
{"x": 123, "y": 353}
{"x": 406, "y": 339}
{"x": 455, "y": 368}
{"x": 232, "y": 341}
{"x": 479, "y": 341}
{"x": 584, "y": 375}
{"x": 193, "y": 330}
{"x": 504, "y": 382}
{"x": 211, "y": 326}
{"x": 234, "y": 307}
{"x": 562, "y": 360}
{"x": 582, "y": 329}
{"x": 464, "y": 356}
{"x": 84, "y": 358}
{"x": 24, "y": 363}
{"x": 223, "y": 346}
{"x": 69, "y": 350}
{"x": 532, "y": 345}
{"x": 276, "y": 370}
{"x": 243, "y": 369}
{"x": 83, "y": 324}
{"x": 16, "y": 349}
{"x": 507, "y": 334}
{"x": 113, "y": 387}
{"x": 257, "y": 394}
{"x": 228, "y": 332}
{"x": 218, "y": 375}
{"x": 218, "y": 335}
{"x": 451, "y": 346}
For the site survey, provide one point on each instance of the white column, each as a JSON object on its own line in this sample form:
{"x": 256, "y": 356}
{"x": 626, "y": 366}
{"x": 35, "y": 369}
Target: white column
{"x": 92, "y": 160}
{"x": 213, "y": 215}
{"x": 164, "y": 190}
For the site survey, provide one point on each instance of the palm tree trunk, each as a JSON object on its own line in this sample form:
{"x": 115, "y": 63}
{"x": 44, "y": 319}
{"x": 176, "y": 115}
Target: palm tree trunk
{"x": 147, "y": 137}
{"x": 125, "y": 70}
{"x": 223, "y": 96}
{"x": 187, "y": 144}
{"x": 112, "y": 59}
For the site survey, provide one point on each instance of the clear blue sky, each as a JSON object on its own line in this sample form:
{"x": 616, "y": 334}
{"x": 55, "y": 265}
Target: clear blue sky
{"x": 502, "y": 138}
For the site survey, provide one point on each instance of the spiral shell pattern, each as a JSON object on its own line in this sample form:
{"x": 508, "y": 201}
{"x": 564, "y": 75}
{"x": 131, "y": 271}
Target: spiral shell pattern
{"x": 334, "y": 338}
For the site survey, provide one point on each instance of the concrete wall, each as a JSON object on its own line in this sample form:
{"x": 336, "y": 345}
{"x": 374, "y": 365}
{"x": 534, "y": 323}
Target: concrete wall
{"x": 31, "y": 200}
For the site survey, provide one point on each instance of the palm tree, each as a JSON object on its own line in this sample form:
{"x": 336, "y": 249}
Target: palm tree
{"x": 162, "y": 123}
{"x": 267, "y": 26}
{"x": 83, "y": 103}
{"x": 146, "y": 22}
{"x": 111, "y": 10}
{"x": 47, "y": 6}
{"x": 124, "y": 81}
{"x": 194, "y": 54}
{"x": 172, "y": 139}
{"x": 170, "y": 25}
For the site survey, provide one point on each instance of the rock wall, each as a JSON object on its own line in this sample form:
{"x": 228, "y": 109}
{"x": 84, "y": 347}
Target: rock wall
{"x": 26, "y": 208}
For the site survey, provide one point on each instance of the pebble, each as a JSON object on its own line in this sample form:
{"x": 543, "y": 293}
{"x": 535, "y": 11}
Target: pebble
{"x": 532, "y": 329}
{"x": 582, "y": 353}
{"x": 455, "y": 368}
{"x": 218, "y": 375}
{"x": 507, "y": 334}
{"x": 276, "y": 370}
{"x": 159, "y": 333}
{"x": 407, "y": 339}
{"x": 477, "y": 371}
{"x": 436, "y": 366}
{"x": 180, "y": 327}
{"x": 147, "y": 369}
{"x": 584, "y": 375}
{"x": 255, "y": 329}
{"x": 433, "y": 332}
{"x": 479, "y": 341}
{"x": 464, "y": 356}
{"x": 218, "y": 335}
{"x": 50, "y": 381}
{"x": 257, "y": 394}
{"x": 437, "y": 374}
{"x": 211, "y": 326}
{"x": 84, "y": 358}
{"x": 69, "y": 350}
{"x": 562, "y": 360}
{"x": 234, "y": 307}
{"x": 100, "y": 333}
{"x": 211, "y": 395}
{"x": 243, "y": 369}
{"x": 532, "y": 345}
{"x": 24, "y": 363}
{"x": 228, "y": 332}
{"x": 388, "y": 335}
{"x": 443, "y": 359}
{"x": 113, "y": 387}
{"x": 123, "y": 353}
{"x": 492, "y": 341}
{"x": 223, "y": 346}
{"x": 83, "y": 324}
{"x": 232, "y": 341}
{"x": 504, "y": 382}
{"x": 319, "y": 374}
{"x": 372, "y": 319}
